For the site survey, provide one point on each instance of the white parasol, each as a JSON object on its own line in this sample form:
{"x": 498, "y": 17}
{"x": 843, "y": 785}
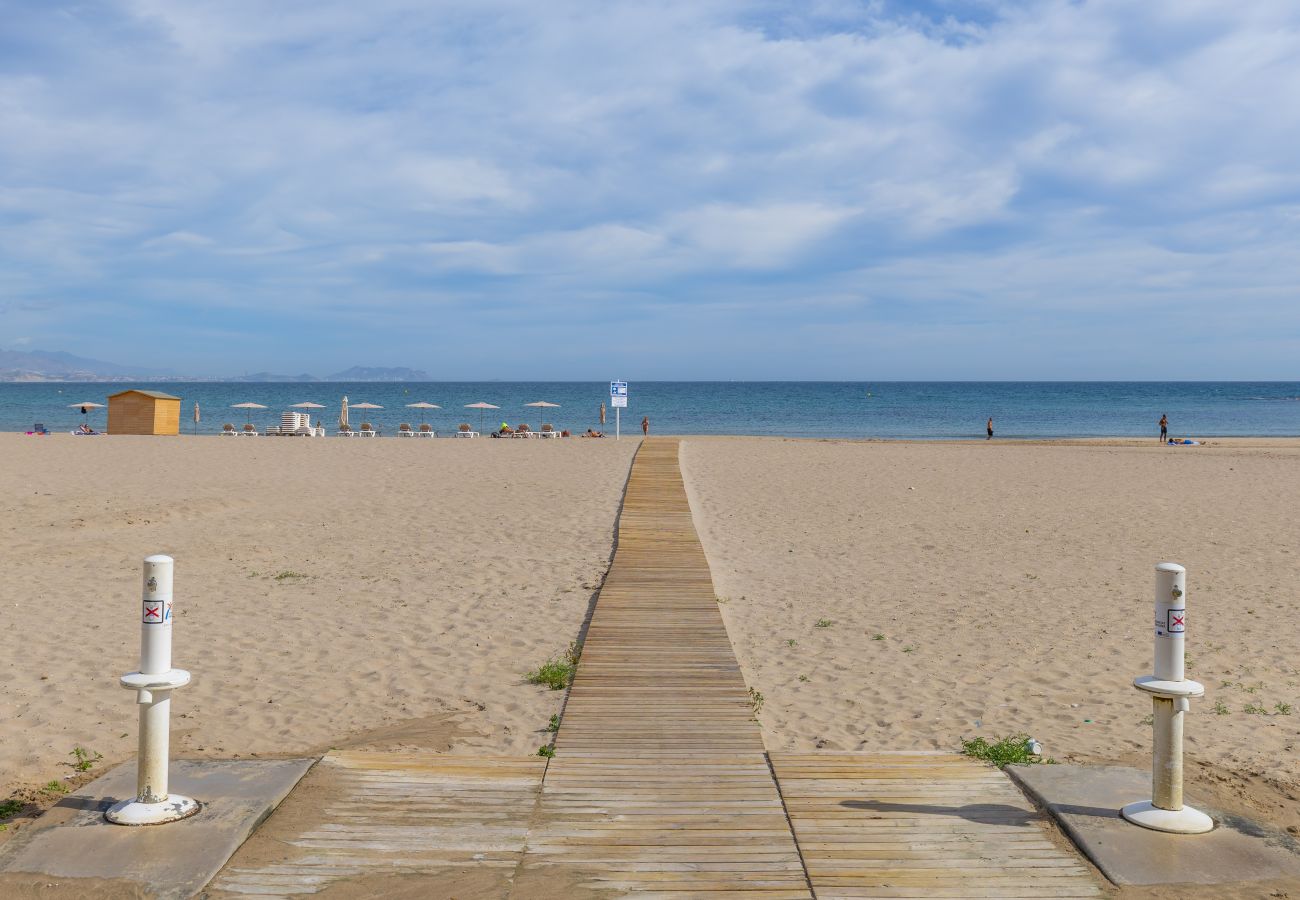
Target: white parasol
{"x": 423, "y": 406}
{"x": 249, "y": 407}
{"x": 86, "y": 408}
{"x": 481, "y": 406}
{"x": 366, "y": 406}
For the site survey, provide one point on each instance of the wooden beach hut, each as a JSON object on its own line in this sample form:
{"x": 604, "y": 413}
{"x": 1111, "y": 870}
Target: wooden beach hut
{"x": 144, "y": 412}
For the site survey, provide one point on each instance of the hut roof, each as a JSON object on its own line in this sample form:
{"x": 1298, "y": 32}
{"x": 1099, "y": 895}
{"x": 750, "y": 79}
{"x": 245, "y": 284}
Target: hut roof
{"x": 157, "y": 395}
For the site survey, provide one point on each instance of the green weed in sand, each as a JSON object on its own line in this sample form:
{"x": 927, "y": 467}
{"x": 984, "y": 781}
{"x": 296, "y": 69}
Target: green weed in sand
{"x": 55, "y": 787}
{"x": 823, "y": 623}
{"x": 84, "y": 761}
{"x": 553, "y": 725}
{"x": 557, "y": 674}
{"x": 287, "y": 575}
{"x": 546, "y": 750}
{"x": 1011, "y": 750}
{"x": 10, "y": 808}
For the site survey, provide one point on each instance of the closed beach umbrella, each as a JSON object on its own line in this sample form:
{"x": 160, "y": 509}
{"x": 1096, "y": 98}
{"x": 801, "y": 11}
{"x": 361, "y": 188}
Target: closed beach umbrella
{"x": 423, "y": 406}
{"x": 249, "y": 407}
{"x": 343, "y": 416}
{"x": 196, "y": 417}
{"x": 481, "y": 406}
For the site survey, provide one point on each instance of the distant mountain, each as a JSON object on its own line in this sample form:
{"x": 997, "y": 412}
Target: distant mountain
{"x": 40, "y": 365}
{"x": 369, "y": 373}
{"x": 269, "y": 376}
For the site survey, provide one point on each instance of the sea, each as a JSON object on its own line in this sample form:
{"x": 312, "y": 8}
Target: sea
{"x": 919, "y": 410}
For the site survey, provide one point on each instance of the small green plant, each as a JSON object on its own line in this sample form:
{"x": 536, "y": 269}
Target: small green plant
{"x": 557, "y": 674}
{"x": 877, "y": 637}
{"x": 286, "y": 575}
{"x": 790, "y": 642}
{"x": 755, "y": 702}
{"x": 720, "y": 599}
{"x": 1148, "y": 719}
{"x": 553, "y": 725}
{"x": 84, "y": 761}
{"x": 1187, "y": 661}
{"x": 803, "y": 677}
{"x": 1254, "y": 709}
{"x": 554, "y": 673}
{"x": 546, "y": 750}
{"x": 1220, "y": 708}
{"x": 1282, "y": 709}
{"x": 54, "y": 786}
{"x": 909, "y": 649}
{"x": 9, "y": 808}
{"x": 1013, "y": 749}
{"x": 823, "y": 623}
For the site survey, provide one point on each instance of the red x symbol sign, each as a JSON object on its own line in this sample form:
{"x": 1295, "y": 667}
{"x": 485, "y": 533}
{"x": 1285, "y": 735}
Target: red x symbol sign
{"x": 1177, "y": 620}
{"x": 152, "y": 611}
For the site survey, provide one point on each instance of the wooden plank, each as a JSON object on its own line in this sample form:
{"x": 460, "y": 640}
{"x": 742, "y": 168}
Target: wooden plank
{"x": 873, "y": 825}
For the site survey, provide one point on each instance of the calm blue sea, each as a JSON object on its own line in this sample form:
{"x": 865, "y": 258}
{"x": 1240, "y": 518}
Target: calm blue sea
{"x": 929, "y": 410}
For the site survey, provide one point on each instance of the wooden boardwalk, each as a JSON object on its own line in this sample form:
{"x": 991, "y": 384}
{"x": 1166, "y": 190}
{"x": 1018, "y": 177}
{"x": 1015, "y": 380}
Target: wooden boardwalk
{"x": 657, "y": 670}
{"x": 919, "y": 824}
{"x": 660, "y": 786}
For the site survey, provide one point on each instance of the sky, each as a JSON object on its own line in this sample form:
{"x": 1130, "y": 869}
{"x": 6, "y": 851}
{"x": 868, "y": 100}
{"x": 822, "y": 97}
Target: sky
{"x": 950, "y": 189}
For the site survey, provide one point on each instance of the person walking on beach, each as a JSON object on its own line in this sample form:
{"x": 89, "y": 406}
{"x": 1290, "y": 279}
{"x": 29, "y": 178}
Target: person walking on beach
{"x": 645, "y": 426}
{"x": 1164, "y": 427}
{"x": 990, "y": 428}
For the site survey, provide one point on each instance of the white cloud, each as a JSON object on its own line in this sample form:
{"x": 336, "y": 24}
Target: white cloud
{"x": 1005, "y": 155}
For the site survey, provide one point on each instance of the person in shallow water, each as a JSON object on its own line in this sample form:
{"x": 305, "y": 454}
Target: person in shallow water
{"x": 990, "y": 429}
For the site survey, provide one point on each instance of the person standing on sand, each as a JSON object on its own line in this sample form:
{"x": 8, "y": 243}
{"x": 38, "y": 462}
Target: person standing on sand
{"x": 1164, "y": 427}
{"x": 990, "y": 428}
{"x": 645, "y": 426}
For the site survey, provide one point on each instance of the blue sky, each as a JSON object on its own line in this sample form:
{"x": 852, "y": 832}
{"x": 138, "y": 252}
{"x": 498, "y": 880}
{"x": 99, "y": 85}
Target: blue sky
{"x": 702, "y": 189}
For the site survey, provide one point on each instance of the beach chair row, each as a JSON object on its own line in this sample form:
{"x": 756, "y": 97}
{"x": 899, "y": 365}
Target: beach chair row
{"x": 300, "y": 425}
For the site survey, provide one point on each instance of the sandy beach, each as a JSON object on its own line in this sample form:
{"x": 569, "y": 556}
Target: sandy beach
{"x": 391, "y": 593}
{"x": 985, "y": 589}
{"x": 328, "y": 592}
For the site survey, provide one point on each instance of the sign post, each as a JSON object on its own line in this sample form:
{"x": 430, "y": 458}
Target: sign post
{"x": 618, "y": 400}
